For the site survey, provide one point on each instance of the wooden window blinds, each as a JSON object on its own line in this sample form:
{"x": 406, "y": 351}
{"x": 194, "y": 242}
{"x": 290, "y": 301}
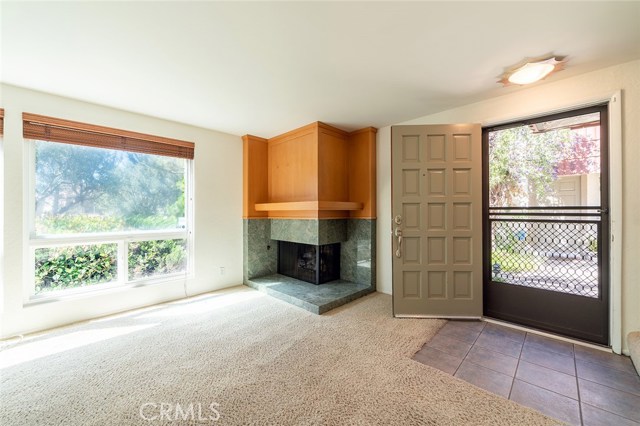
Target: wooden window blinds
{"x": 65, "y": 131}
{"x": 1, "y": 122}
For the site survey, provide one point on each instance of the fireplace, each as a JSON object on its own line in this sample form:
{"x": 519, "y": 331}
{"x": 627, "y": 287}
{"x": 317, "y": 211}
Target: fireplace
{"x": 306, "y": 262}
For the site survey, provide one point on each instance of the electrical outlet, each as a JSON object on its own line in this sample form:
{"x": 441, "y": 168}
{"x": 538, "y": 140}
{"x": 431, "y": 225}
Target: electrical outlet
{"x": 222, "y": 270}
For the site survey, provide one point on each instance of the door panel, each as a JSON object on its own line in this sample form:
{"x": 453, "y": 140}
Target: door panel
{"x": 437, "y": 196}
{"x": 546, "y": 245}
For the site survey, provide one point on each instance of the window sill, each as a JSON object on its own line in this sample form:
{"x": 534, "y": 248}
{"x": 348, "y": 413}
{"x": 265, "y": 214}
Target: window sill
{"x": 57, "y": 239}
{"x": 62, "y": 296}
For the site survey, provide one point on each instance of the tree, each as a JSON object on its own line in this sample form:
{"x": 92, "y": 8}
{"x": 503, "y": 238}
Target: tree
{"x": 73, "y": 179}
{"x": 154, "y": 186}
{"x": 582, "y": 156}
{"x": 523, "y": 165}
{"x": 85, "y": 189}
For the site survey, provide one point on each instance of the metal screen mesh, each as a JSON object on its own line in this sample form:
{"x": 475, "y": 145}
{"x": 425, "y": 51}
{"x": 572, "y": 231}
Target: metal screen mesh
{"x": 558, "y": 255}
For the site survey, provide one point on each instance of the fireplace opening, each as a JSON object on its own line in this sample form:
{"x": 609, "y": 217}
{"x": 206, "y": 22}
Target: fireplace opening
{"x": 306, "y": 262}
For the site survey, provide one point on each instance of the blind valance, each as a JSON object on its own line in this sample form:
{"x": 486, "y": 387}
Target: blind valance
{"x": 52, "y": 129}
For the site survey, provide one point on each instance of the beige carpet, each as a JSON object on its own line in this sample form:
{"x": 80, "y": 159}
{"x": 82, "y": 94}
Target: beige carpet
{"x": 259, "y": 359}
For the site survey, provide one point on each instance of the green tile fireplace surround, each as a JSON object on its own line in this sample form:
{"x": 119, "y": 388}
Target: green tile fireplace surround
{"x": 357, "y": 259}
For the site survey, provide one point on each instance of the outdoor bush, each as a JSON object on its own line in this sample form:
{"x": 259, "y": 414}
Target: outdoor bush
{"x": 147, "y": 258}
{"x": 79, "y": 266}
{"x": 68, "y": 267}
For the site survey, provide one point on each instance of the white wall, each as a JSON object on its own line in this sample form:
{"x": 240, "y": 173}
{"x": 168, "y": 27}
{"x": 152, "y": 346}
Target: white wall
{"x": 538, "y": 100}
{"x": 217, "y": 214}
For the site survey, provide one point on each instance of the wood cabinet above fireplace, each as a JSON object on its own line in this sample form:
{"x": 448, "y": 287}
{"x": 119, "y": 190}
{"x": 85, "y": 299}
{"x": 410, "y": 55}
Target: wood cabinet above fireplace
{"x": 316, "y": 171}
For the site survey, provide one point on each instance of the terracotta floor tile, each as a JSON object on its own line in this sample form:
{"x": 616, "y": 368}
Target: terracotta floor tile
{"x": 614, "y": 401}
{"x": 539, "y": 372}
{"x": 548, "y": 379}
{"x": 493, "y": 360}
{"x": 550, "y": 403}
{"x": 449, "y": 345}
{"x": 484, "y": 378}
{"x": 437, "y": 359}
{"x": 499, "y": 344}
{"x": 619, "y": 362}
{"x": 501, "y": 331}
{"x": 464, "y": 332}
{"x": 468, "y": 324}
{"x": 552, "y": 360}
{"x": 592, "y": 416}
{"x": 611, "y": 377}
{"x": 549, "y": 344}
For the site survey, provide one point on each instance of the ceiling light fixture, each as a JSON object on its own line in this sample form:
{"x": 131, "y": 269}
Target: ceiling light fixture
{"x": 531, "y": 70}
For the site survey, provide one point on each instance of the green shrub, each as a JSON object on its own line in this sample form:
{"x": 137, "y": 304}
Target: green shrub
{"x": 62, "y": 268}
{"x": 156, "y": 257}
{"x": 68, "y": 267}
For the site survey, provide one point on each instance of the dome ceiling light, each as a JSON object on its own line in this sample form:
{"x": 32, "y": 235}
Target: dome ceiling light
{"x": 531, "y": 70}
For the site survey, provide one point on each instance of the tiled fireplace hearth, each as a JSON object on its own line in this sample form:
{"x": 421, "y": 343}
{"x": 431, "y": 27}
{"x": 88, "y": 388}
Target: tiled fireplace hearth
{"x": 354, "y": 237}
{"x": 313, "y": 187}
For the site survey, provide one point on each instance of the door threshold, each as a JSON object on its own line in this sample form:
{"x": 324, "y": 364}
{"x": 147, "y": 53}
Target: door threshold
{"x": 547, "y": 334}
{"x": 443, "y": 317}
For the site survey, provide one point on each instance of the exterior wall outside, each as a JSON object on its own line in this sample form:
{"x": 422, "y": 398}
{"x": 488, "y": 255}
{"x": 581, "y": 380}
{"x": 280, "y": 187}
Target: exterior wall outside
{"x": 592, "y": 190}
{"x": 217, "y": 234}
{"x": 538, "y": 100}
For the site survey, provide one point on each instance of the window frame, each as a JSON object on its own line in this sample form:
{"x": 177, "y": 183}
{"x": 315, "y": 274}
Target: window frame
{"x": 121, "y": 238}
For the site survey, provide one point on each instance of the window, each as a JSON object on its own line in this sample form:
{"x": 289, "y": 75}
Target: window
{"x": 109, "y": 207}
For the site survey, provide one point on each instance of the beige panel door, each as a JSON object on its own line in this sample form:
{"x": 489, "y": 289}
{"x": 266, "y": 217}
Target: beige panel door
{"x": 437, "y": 220}
{"x": 568, "y": 190}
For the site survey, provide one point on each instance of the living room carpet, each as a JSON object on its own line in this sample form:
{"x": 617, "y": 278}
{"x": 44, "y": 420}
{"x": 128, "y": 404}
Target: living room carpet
{"x": 241, "y": 357}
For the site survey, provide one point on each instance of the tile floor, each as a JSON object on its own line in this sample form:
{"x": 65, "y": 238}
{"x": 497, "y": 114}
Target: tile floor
{"x": 572, "y": 383}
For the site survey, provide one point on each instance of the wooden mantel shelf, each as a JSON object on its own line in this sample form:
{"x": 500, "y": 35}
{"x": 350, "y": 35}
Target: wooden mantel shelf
{"x": 308, "y": 205}
{"x": 315, "y": 171}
